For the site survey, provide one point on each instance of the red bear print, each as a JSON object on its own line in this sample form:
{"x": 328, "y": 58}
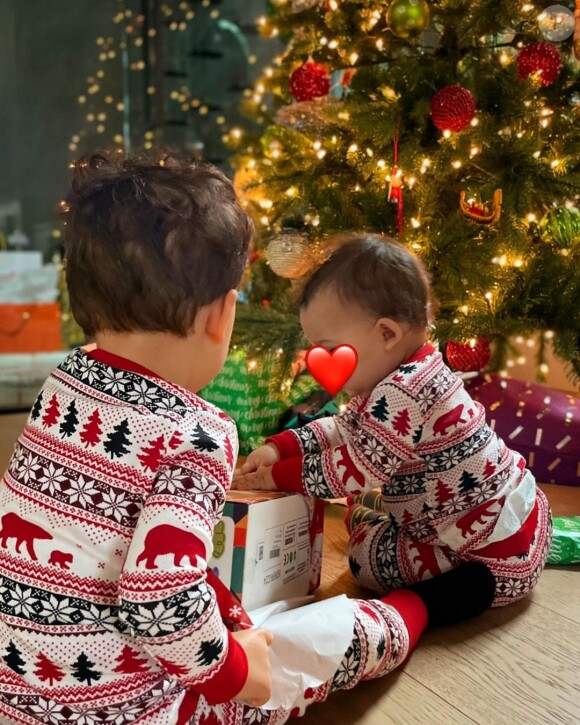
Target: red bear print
{"x": 167, "y": 539}
{"x": 447, "y": 420}
{"x": 350, "y": 470}
{"x": 427, "y": 555}
{"x": 14, "y": 527}
{"x": 478, "y": 516}
{"x": 60, "y": 558}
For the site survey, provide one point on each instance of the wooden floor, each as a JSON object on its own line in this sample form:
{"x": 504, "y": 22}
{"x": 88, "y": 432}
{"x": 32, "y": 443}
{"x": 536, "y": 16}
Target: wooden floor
{"x": 514, "y": 666}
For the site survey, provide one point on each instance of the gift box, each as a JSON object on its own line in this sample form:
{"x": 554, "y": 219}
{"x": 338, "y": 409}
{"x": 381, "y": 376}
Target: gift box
{"x": 268, "y": 546}
{"x": 540, "y": 423}
{"x": 32, "y": 327}
{"x": 243, "y": 389}
{"x": 565, "y": 549}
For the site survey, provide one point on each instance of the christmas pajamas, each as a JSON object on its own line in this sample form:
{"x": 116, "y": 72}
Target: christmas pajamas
{"x": 108, "y": 614}
{"x": 383, "y": 558}
{"x": 380, "y": 642}
{"x": 450, "y": 489}
{"x": 107, "y": 511}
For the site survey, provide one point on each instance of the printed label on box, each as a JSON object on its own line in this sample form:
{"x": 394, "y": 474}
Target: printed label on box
{"x": 268, "y": 547}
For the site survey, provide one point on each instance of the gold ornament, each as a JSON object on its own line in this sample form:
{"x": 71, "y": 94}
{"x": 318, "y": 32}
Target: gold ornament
{"x": 290, "y": 255}
{"x": 480, "y": 214}
{"x": 307, "y": 114}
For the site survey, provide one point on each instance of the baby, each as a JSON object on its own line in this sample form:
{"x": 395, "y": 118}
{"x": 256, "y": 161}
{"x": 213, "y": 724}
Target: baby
{"x": 451, "y": 491}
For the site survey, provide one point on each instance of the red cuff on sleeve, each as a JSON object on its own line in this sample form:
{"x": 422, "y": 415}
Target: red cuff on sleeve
{"x": 230, "y": 679}
{"x": 287, "y": 475}
{"x": 287, "y": 444}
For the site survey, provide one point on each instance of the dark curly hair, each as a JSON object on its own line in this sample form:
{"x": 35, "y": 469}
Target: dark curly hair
{"x": 377, "y": 273}
{"x": 149, "y": 241}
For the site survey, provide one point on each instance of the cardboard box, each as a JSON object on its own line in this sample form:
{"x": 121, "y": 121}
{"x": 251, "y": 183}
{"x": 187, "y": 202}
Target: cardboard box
{"x": 268, "y": 546}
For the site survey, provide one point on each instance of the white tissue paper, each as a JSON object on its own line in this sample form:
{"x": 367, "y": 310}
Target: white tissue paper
{"x": 309, "y": 644}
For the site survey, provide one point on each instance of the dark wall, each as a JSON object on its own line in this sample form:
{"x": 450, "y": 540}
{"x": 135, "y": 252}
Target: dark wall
{"x": 47, "y": 50}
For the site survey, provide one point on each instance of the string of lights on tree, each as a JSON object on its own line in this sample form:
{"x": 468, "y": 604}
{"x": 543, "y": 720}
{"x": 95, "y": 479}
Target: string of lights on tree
{"x": 106, "y": 98}
{"x": 142, "y": 94}
{"x": 453, "y": 126}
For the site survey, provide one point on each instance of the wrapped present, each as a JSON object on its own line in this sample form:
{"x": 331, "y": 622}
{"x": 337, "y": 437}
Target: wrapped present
{"x": 243, "y": 390}
{"x": 565, "y": 547}
{"x": 540, "y": 423}
{"x": 268, "y": 546}
{"x": 319, "y": 404}
{"x": 32, "y": 327}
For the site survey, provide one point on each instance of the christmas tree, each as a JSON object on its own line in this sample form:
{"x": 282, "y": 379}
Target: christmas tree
{"x": 92, "y": 431}
{"x": 151, "y": 455}
{"x": 13, "y": 659}
{"x": 202, "y": 440}
{"x": 130, "y": 661}
{"x": 117, "y": 442}
{"x": 82, "y": 670}
{"x": 46, "y": 670}
{"x": 452, "y": 125}
{"x": 70, "y": 422}
{"x": 52, "y": 413}
{"x": 37, "y": 408}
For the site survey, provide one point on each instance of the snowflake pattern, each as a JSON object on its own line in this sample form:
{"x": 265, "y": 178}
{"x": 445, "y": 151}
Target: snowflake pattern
{"x": 52, "y": 713}
{"x": 441, "y": 384}
{"x": 52, "y": 478}
{"x": 114, "y": 381}
{"x": 204, "y": 492}
{"x": 81, "y": 491}
{"x": 255, "y": 716}
{"x": 27, "y": 467}
{"x": 411, "y": 484}
{"x": 307, "y": 439}
{"x": 348, "y": 669}
{"x": 426, "y": 398}
{"x": 45, "y": 608}
{"x": 387, "y": 546}
{"x": 142, "y": 393}
{"x": 437, "y": 462}
{"x": 155, "y": 620}
{"x": 173, "y": 614}
{"x": 374, "y": 451}
{"x": 121, "y": 384}
{"x": 88, "y": 369}
{"x": 67, "y": 485}
{"x": 313, "y": 476}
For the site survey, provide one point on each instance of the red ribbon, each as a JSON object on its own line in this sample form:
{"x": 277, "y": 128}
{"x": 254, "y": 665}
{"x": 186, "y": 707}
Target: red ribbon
{"x": 396, "y": 187}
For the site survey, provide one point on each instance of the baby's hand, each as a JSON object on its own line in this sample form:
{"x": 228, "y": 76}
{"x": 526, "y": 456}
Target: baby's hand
{"x": 260, "y": 480}
{"x": 263, "y": 456}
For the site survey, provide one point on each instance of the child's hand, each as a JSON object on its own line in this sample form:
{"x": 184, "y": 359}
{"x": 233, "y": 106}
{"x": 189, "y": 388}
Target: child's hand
{"x": 260, "y": 480}
{"x": 258, "y": 688}
{"x": 263, "y": 456}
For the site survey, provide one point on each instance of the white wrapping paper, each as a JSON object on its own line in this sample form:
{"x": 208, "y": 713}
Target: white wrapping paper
{"x": 309, "y": 644}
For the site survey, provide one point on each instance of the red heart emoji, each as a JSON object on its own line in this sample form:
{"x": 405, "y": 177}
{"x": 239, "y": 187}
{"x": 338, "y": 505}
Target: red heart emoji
{"x": 331, "y": 369}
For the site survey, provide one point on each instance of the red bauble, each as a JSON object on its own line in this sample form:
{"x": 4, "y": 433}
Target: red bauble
{"x": 452, "y": 108}
{"x": 542, "y": 60}
{"x": 309, "y": 81}
{"x": 468, "y": 357}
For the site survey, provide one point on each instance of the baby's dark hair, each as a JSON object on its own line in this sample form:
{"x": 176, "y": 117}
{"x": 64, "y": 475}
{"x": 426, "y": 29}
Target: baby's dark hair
{"x": 377, "y": 273}
{"x": 149, "y": 241}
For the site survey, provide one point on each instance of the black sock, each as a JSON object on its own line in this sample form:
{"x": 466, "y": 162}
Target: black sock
{"x": 458, "y": 594}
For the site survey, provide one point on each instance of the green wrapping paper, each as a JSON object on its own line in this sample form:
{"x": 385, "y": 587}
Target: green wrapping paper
{"x": 565, "y": 547}
{"x": 244, "y": 392}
